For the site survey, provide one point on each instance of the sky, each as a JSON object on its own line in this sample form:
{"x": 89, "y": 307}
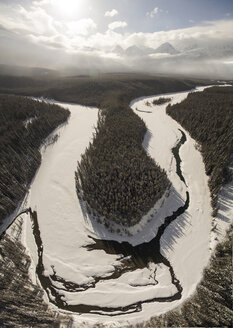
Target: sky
{"x": 85, "y": 34}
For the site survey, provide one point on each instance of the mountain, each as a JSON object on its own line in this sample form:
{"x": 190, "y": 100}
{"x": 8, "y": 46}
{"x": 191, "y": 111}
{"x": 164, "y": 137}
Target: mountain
{"x": 166, "y": 48}
{"x": 118, "y": 50}
{"x": 134, "y": 51}
{"x": 148, "y": 50}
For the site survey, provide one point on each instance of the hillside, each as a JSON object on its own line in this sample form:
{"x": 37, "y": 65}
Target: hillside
{"x": 99, "y": 90}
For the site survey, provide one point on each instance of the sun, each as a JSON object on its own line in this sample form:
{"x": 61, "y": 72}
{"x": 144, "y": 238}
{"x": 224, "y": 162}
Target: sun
{"x": 68, "y": 7}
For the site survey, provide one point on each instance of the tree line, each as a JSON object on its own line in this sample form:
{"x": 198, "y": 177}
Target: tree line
{"x": 24, "y": 124}
{"x": 95, "y": 90}
{"x": 208, "y": 116}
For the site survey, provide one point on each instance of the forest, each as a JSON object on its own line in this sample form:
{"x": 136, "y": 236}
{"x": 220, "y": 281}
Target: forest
{"x": 96, "y": 90}
{"x": 19, "y": 155}
{"x": 161, "y": 101}
{"x": 24, "y": 124}
{"x": 115, "y": 176}
{"x": 208, "y": 117}
{"x": 211, "y": 305}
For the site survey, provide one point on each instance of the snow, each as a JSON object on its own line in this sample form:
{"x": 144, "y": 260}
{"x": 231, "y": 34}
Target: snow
{"x": 224, "y": 218}
{"x": 126, "y": 293}
{"x": 9, "y": 219}
{"x": 28, "y": 121}
{"x": 143, "y": 231}
{"x": 195, "y": 223}
{"x": 65, "y": 230}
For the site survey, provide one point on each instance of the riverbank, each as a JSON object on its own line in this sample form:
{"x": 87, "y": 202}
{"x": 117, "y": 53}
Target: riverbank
{"x": 190, "y": 232}
{"x": 61, "y": 218}
{"x": 79, "y": 260}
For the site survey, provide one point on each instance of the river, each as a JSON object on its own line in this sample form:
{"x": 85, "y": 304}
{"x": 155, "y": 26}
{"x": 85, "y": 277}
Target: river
{"x": 86, "y": 269}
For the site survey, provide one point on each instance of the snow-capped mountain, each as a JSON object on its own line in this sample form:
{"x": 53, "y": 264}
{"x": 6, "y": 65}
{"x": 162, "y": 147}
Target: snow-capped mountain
{"x": 136, "y": 51}
{"x": 188, "y": 49}
{"x": 166, "y": 48}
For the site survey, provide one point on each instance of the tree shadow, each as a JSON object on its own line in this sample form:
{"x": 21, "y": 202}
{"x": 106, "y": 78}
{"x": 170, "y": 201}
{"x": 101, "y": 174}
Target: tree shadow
{"x": 176, "y": 231}
{"x": 158, "y": 222}
{"x": 146, "y": 140}
{"x": 225, "y": 199}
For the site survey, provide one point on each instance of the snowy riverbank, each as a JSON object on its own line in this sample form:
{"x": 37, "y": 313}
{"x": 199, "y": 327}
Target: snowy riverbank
{"x": 65, "y": 231}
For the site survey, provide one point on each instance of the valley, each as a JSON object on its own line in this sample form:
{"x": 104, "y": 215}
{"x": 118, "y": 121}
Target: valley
{"x": 144, "y": 262}
{"x": 116, "y": 163}
{"x": 58, "y": 212}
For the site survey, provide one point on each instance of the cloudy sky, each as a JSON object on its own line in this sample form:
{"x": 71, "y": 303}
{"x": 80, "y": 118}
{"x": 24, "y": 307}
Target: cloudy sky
{"x": 95, "y": 34}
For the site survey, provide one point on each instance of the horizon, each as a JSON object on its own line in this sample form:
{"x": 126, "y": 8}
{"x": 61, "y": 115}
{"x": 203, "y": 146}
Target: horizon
{"x": 104, "y": 36}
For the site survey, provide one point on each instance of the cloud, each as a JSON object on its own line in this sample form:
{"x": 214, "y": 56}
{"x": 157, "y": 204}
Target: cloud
{"x": 35, "y": 24}
{"x": 57, "y": 41}
{"x": 44, "y": 39}
{"x": 117, "y": 24}
{"x": 42, "y": 3}
{"x": 208, "y": 32}
{"x": 35, "y": 20}
{"x": 81, "y": 27}
{"x": 39, "y": 3}
{"x": 152, "y": 13}
{"x": 111, "y": 13}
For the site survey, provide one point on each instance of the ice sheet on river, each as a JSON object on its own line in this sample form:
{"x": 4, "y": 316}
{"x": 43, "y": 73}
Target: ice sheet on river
{"x": 64, "y": 230}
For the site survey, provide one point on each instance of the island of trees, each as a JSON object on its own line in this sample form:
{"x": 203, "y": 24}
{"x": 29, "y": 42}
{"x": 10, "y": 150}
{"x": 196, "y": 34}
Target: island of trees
{"x": 24, "y": 124}
{"x": 161, "y": 101}
{"x": 115, "y": 176}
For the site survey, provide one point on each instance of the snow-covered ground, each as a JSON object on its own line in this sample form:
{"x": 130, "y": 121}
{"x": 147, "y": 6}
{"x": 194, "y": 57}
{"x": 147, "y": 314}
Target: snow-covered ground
{"x": 65, "y": 229}
{"x": 185, "y": 242}
{"x": 224, "y": 218}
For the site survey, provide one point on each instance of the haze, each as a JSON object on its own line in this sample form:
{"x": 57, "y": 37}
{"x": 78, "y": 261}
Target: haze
{"x": 86, "y": 36}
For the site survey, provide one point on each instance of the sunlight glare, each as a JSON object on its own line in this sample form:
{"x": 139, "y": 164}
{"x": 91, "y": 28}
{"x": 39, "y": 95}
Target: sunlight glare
{"x": 68, "y": 7}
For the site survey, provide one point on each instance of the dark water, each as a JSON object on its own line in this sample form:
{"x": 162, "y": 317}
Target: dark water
{"x": 133, "y": 258}
{"x": 175, "y": 152}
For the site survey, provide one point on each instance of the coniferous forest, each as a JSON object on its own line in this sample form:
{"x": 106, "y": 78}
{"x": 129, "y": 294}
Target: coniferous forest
{"x": 210, "y": 124}
{"x": 115, "y": 175}
{"x": 208, "y": 116}
{"x": 211, "y": 305}
{"x": 24, "y": 124}
{"x": 106, "y": 91}
{"x": 161, "y": 101}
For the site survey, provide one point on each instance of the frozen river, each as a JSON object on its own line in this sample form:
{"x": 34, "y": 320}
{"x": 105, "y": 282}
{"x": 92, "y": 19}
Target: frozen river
{"x": 86, "y": 269}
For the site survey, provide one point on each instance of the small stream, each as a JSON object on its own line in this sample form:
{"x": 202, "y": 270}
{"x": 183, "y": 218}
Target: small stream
{"x": 175, "y": 152}
{"x": 133, "y": 258}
